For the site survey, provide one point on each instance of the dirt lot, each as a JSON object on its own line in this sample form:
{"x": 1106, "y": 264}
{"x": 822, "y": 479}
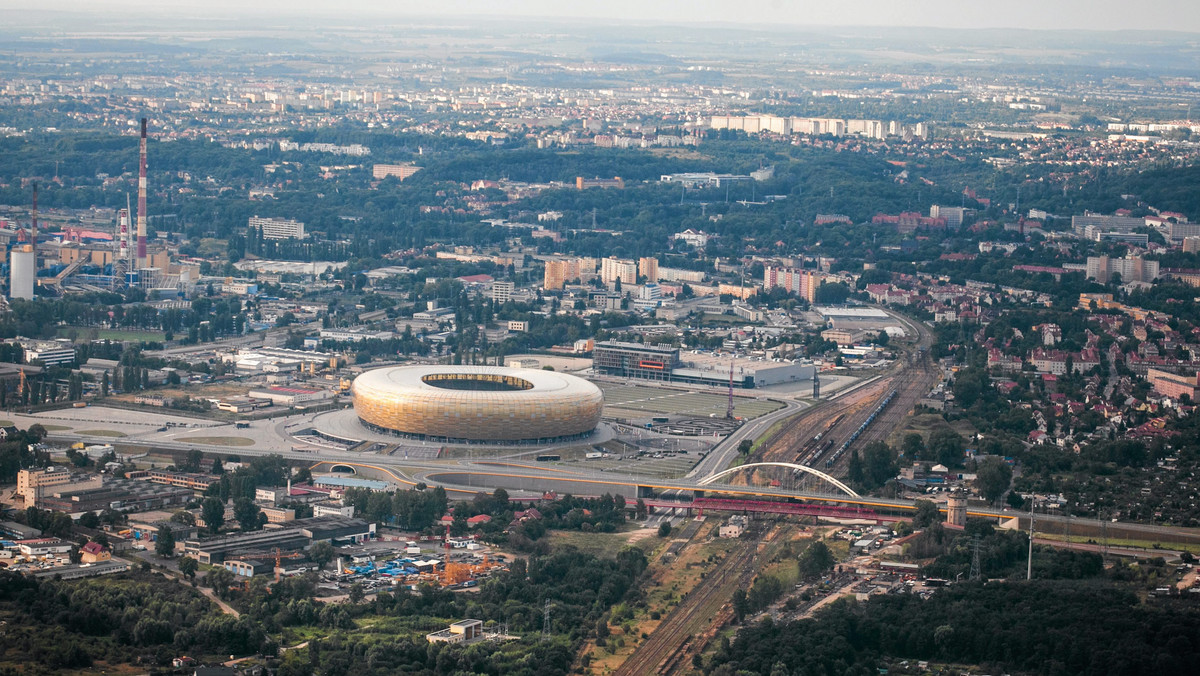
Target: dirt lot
{"x": 213, "y": 391}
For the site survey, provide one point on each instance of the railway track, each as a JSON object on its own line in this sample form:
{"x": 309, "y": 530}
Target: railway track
{"x": 825, "y": 435}
{"x": 662, "y": 653}
{"x": 912, "y": 384}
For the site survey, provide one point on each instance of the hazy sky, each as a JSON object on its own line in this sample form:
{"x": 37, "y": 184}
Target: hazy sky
{"x": 1175, "y": 15}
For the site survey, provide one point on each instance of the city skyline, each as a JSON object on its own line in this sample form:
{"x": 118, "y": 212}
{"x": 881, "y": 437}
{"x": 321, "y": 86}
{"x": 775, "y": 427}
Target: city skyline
{"x": 1173, "y": 16}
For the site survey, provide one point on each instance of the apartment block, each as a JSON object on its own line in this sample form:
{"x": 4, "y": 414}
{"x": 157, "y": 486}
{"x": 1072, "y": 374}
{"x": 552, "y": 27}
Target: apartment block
{"x": 278, "y": 228}
{"x": 612, "y": 269}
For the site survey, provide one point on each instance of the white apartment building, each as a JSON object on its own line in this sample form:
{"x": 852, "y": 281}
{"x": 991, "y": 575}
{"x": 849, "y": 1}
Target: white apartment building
{"x": 612, "y": 269}
{"x": 278, "y": 228}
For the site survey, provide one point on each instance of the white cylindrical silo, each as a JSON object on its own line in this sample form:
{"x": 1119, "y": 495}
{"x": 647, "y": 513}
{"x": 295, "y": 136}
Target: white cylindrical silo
{"x": 23, "y": 273}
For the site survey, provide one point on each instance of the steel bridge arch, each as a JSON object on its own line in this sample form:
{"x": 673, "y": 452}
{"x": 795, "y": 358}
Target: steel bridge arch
{"x": 708, "y": 480}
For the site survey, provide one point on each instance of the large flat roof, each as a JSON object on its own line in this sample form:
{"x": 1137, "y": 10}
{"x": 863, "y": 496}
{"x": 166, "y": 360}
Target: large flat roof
{"x": 850, "y": 312}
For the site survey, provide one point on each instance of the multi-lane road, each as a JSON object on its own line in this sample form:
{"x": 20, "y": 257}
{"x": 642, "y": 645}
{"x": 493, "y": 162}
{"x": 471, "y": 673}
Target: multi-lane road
{"x": 474, "y": 474}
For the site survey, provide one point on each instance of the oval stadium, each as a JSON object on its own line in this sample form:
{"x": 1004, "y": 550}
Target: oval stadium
{"x": 477, "y": 403}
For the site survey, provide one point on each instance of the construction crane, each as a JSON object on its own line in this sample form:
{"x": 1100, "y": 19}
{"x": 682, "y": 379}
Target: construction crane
{"x": 278, "y": 555}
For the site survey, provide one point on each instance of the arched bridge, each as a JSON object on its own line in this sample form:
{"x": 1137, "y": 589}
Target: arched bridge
{"x": 803, "y": 468}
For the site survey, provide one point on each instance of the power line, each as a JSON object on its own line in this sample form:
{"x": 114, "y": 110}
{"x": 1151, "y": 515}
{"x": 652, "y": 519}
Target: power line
{"x": 976, "y": 568}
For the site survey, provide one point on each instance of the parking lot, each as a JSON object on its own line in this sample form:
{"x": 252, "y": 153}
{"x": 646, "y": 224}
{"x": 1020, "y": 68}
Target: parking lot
{"x": 635, "y": 401}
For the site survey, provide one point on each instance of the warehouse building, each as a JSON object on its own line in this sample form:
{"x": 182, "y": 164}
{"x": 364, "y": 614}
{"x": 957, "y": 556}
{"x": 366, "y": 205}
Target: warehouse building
{"x": 635, "y": 360}
{"x": 293, "y": 537}
{"x": 123, "y": 495}
{"x": 663, "y": 363}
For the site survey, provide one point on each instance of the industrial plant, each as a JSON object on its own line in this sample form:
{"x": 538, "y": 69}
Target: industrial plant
{"x": 87, "y": 256}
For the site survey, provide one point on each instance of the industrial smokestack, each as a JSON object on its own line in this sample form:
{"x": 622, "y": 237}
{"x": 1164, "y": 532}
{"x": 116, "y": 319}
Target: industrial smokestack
{"x": 123, "y": 237}
{"x": 33, "y": 226}
{"x": 141, "y": 215}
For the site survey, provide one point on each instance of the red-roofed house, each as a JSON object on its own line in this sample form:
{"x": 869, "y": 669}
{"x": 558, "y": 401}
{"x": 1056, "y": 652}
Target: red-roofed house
{"x": 94, "y": 552}
{"x": 479, "y": 520}
{"x": 476, "y": 279}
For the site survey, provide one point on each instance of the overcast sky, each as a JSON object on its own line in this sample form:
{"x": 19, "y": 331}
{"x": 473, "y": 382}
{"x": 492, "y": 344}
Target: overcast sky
{"x": 1175, "y": 15}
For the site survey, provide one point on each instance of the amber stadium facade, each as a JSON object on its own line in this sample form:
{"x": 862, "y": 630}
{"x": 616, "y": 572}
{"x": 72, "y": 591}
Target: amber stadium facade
{"x": 477, "y": 404}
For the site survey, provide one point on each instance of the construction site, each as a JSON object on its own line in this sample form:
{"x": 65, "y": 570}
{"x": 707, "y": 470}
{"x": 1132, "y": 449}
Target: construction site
{"x": 414, "y": 565}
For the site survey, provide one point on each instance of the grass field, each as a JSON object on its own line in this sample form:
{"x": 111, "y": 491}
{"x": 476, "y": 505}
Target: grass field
{"x": 212, "y": 247}
{"x": 220, "y": 441}
{"x": 100, "y": 433}
{"x": 1151, "y": 546}
{"x": 636, "y": 400}
{"x": 86, "y": 333}
{"x": 57, "y": 428}
{"x": 924, "y": 425}
{"x": 605, "y": 544}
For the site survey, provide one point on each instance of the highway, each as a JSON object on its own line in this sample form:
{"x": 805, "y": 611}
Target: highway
{"x": 475, "y": 475}
{"x": 470, "y": 475}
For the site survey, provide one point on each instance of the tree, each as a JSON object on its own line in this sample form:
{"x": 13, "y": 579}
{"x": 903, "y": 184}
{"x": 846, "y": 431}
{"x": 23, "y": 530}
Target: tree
{"x": 913, "y": 446}
{"x": 927, "y": 514}
{"x": 191, "y": 461}
{"x": 321, "y": 553}
{"x": 220, "y": 580}
{"x": 356, "y": 594}
{"x": 188, "y": 567}
{"x": 992, "y": 478}
{"x": 947, "y": 446}
{"x": 303, "y": 475}
{"x": 854, "y": 469}
{"x": 164, "y": 546}
{"x": 37, "y": 432}
{"x": 741, "y": 604}
{"x": 500, "y": 497}
{"x": 744, "y": 446}
{"x": 218, "y": 467}
{"x": 834, "y": 293}
{"x": 90, "y": 520}
{"x": 664, "y": 529}
{"x": 212, "y": 510}
{"x": 879, "y": 463}
{"x": 184, "y": 517}
{"x": 248, "y": 514}
{"x": 816, "y": 560}
{"x": 640, "y": 512}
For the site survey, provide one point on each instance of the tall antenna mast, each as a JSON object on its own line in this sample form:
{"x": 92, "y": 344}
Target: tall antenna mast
{"x": 729, "y": 410}
{"x": 1029, "y": 564}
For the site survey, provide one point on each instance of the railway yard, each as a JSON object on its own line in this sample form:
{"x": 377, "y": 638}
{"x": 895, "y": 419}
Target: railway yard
{"x": 823, "y": 435}
{"x": 703, "y": 611}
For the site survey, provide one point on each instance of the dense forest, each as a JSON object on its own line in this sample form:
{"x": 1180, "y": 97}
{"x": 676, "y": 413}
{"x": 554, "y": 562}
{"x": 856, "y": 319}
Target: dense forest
{"x": 143, "y": 618}
{"x": 51, "y": 626}
{"x": 1091, "y": 628}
